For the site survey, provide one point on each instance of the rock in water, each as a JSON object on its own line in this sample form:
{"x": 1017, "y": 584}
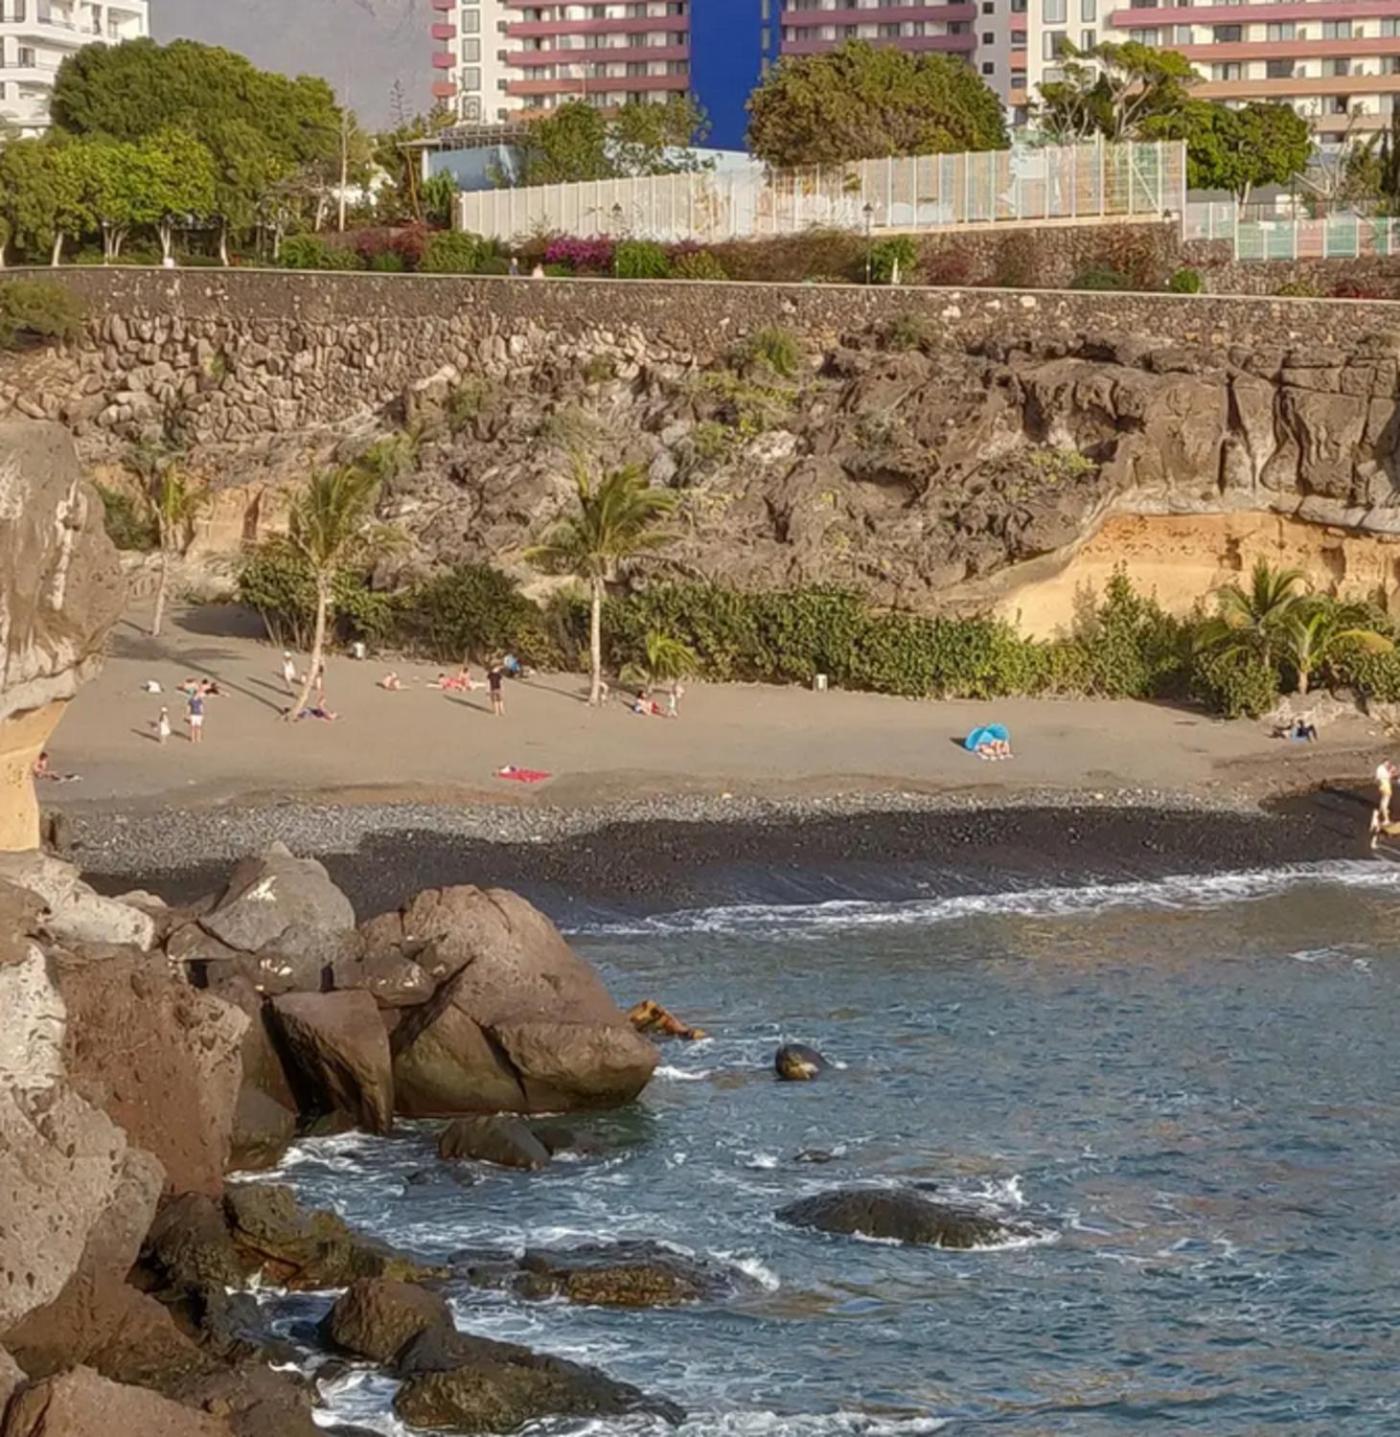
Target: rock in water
{"x": 340, "y": 1046}
{"x": 519, "y": 1022}
{"x": 505, "y": 1141}
{"x": 628, "y": 1274}
{"x": 82, "y": 1404}
{"x": 900, "y": 1215}
{"x": 796, "y": 1063}
{"x": 459, "y": 1383}
{"x": 61, "y": 589}
{"x": 376, "y": 1318}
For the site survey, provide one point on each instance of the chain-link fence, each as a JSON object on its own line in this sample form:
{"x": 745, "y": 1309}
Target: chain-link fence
{"x": 1083, "y": 183}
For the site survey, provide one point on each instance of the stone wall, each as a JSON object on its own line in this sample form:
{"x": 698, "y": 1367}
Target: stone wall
{"x": 239, "y": 358}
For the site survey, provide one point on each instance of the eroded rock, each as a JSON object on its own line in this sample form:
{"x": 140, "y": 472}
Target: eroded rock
{"x": 902, "y": 1216}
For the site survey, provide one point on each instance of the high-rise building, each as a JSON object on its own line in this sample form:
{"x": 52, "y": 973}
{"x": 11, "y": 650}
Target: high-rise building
{"x": 1336, "y": 61}
{"x": 36, "y": 36}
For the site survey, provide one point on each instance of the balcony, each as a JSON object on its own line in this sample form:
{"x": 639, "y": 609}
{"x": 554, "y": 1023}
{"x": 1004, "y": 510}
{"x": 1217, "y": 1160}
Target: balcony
{"x": 1293, "y": 49}
{"x": 444, "y": 32}
{"x": 444, "y": 89}
{"x": 529, "y": 29}
{"x": 1299, "y": 85}
{"x": 599, "y": 85}
{"x": 807, "y": 19}
{"x": 445, "y": 6}
{"x": 444, "y": 60}
{"x": 945, "y": 44}
{"x": 1312, "y": 10}
{"x": 532, "y": 59}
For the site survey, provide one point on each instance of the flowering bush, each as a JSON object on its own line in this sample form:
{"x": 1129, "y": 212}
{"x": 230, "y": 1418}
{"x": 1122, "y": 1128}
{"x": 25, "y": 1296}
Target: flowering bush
{"x": 581, "y": 255}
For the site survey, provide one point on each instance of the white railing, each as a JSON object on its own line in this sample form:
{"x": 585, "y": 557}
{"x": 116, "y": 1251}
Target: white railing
{"x": 1084, "y": 183}
{"x": 1338, "y": 236}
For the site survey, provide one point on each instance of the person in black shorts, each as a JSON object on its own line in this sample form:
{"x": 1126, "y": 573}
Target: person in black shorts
{"x": 495, "y": 677}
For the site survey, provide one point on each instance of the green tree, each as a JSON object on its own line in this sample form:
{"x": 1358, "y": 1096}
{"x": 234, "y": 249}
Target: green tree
{"x": 668, "y": 659}
{"x": 568, "y": 144}
{"x": 1113, "y": 90}
{"x": 1317, "y": 629}
{"x": 650, "y": 139}
{"x": 616, "y": 519}
{"x": 329, "y": 528}
{"x": 180, "y": 173}
{"x": 116, "y": 187}
{"x": 439, "y": 197}
{"x": 1235, "y": 150}
{"x": 173, "y": 501}
{"x": 38, "y": 196}
{"x": 400, "y": 199}
{"x": 863, "y": 102}
{"x": 1255, "y": 619}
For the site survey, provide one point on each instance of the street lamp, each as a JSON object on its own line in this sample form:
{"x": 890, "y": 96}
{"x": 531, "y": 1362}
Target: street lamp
{"x": 869, "y": 213}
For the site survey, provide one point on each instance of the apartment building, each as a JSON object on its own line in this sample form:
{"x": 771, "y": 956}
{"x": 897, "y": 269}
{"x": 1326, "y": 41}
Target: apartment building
{"x": 36, "y": 36}
{"x": 1336, "y": 61}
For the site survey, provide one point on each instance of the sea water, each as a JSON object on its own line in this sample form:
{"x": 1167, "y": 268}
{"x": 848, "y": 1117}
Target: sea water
{"x": 1188, "y": 1091}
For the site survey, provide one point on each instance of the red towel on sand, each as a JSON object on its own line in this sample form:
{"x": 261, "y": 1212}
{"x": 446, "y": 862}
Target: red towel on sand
{"x": 523, "y": 775}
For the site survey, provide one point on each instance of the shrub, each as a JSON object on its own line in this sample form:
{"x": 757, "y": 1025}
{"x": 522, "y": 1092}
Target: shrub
{"x": 128, "y": 522}
{"x": 388, "y": 262}
{"x": 1233, "y": 682}
{"x": 896, "y": 255}
{"x": 1359, "y": 291}
{"x": 312, "y": 252}
{"x": 1020, "y": 262}
{"x": 1298, "y": 289}
{"x": 410, "y": 243}
{"x": 393, "y": 456}
{"x": 451, "y": 252}
{"x": 640, "y": 259}
{"x": 839, "y": 254}
{"x": 948, "y": 269}
{"x": 276, "y": 581}
{"x": 1185, "y": 281}
{"x": 907, "y": 331}
{"x": 34, "y": 310}
{"x": 472, "y": 611}
{"x": 468, "y": 402}
{"x": 558, "y": 271}
{"x": 581, "y": 256}
{"x": 599, "y": 368}
{"x": 697, "y": 264}
{"x": 1101, "y": 277}
{"x": 1132, "y": 252}
{"x": 777, "y": 349}
{"x": 1131, "y": 648}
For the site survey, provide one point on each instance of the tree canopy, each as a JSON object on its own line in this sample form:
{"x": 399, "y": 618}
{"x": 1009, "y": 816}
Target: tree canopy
{"x": 577, "y": 141}
{"x": 864, "y": 102}
{"x": 1235, "y": 150}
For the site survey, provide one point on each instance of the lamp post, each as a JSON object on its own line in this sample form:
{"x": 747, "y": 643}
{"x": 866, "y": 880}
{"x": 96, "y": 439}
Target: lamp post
{"x": 869, "y": 213}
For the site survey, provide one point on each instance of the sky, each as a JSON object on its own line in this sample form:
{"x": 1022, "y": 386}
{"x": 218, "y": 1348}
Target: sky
{"x": 361, "y": 46}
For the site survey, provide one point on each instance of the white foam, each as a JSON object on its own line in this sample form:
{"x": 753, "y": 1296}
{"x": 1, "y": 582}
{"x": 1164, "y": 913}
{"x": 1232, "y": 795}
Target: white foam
{"x": 771, "y": 1424}
{"x": 682, "y": 1075}
{"x": 1182, "y": 892}
{"x": 761, "y": 1162}
{"x": 752, "y": 1268}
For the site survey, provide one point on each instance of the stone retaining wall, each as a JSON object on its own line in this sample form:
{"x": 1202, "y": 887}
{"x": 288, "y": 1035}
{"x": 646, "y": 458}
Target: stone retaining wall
{"x": 240, "y": 356}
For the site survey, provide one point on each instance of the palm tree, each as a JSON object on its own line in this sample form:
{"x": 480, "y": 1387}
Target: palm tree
{"x": 1314, "y": 631}
{"x": 174, "y": 501}
{"x": 328, "y": 528}
{"x": 668, "y": 659}
{"x": 1254, "y": 619}
{"x": 616, "y": 520}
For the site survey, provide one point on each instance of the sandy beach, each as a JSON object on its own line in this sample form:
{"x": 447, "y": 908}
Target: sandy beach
{"x": 425, "y": 746}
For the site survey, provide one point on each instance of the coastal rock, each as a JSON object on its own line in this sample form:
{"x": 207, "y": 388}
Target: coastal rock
{"x": 76, "y": 913}
{"x": 520, "y": 1022}
{"x": 391, "y": 979}
{"x": 507, "y": 1142}
{"x": 160, "y": 1059}
{"x": 340, "y": 1047}
{"x": 254, "y": 1400}
{"x": 298, "y": 1249}
{"x": 189, "y": 1247}
{"x": 31, "y": 1035}
{"x": 272, "y": 893}
{"x": 12, "y": 1378}
{"x": 376, "y": 1318}
{"x": 901, "y": 1216}
{"x": 61, "y": 590}
{"x": 459, "y": 1383}
{"x": 81, "y": 1403}
{"x": 797, "y": 1063}
{"x": 625, "y": 1274}
{"x": 263, "y": 1130}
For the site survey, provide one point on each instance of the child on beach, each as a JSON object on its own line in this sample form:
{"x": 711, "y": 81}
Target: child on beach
{"x": 673, "y": 700}
{"x": 289, "y": 670}
{"x": 163, "y": 726}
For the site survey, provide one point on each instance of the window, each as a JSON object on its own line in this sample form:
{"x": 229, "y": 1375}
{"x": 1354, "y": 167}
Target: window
{"x": 1341, "y": 104}
{"x": 1087, "y": 39}
{"x": 1225, "y": 72}
{"x": 1182, "y": 35}
{"x": 26, "y": 57}
{"x": 471, "y": 50}
{"x": 1336, "y": 67}
{"x": 1288, "y": 30}
{"x": 1054, "y": 12}
{"x": 988, "y": 8}
{"x": 989, "y": 69}
{"x": 1018, "y": 79}
{"x": 1052, "y": 44}
{"x": 1088, "y": 11}
{"x": 1018, "y": 7}
{"x": 471, "y": 78}
{"x": 1145, "y": 37}
{"x": 988, "y": 38}
{"x": 471, "y": 22}
{"x": 1336, "y": 29}
{"x": 1389, "y": 26}
{"x": 764, "y": 9}
{"x": 1278, "y": 69}
{"x": 1227, "y": 34}
{"x": 890, "y": 32}
{"x": 765, "y": 39}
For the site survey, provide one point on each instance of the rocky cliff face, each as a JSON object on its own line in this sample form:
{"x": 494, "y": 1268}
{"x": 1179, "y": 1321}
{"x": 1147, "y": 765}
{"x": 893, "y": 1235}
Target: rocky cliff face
{"x": 60, "y": 592}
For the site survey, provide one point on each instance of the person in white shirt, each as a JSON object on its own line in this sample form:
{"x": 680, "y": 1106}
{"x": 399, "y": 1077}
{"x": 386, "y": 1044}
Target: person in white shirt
{"x": 1385, "y": 775}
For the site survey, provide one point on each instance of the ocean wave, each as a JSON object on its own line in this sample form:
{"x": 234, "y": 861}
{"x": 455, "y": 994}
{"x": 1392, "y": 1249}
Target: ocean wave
{"x": 682, "y": 1075}
{"x": 1179, "y": 893}
{"x": 762, "y": 1423}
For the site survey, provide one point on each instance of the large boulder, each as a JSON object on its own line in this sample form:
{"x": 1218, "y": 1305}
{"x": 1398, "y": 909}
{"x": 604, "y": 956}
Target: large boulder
{"x": 520, "y": 1022}
{"x": 31, "y": 1034}
{"x": 159, "y": 1058}
{"x": 12, "y": 1378}
{"x": 276, "y": 902}
{"x": 901, "y": 1216}
{"x": 376, "y": 1318}
{"x": 64, "y": 1167}
{"x": 81, "y": 1403}
{"x": 61, "y": 590}
{"x": 459, "y": 1383}
{"x": 626, "y": 1274}
{"x": 75, "y": 912}
{"x": 342, "y": 1052}
{"x": 507, "y": 1142}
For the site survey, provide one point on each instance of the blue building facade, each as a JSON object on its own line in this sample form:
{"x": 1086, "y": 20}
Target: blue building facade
{"x": 732, "y": 43}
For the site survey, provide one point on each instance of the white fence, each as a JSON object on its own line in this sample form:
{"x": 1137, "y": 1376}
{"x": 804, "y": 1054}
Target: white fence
{"x": 1338, "y": 236}
{"x": 1084, "y": 183}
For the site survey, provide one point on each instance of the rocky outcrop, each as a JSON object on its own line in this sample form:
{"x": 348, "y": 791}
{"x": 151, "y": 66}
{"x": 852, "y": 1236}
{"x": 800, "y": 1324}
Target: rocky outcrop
{"x": 506, "y": 1142}
{"x": 74, "y": 912}
{"x": 376, "y": 1318}
{"x": 519, "y": 1024}
{"x": 339, "y": 1044}
{"x": 81, "y": 1403}
{"x": 60, "y": 592}
{"x": 902, "y": 1216}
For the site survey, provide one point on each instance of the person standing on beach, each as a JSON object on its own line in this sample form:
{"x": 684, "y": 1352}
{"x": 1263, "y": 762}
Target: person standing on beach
{"x": 1385, "y": 775}
{"x": 195, "y": 714}
{"x": 163, "y": 726}
{"x": 495, "y": 677}
{"x": 289, "y": 670}
{"x": 673, "y": 699}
